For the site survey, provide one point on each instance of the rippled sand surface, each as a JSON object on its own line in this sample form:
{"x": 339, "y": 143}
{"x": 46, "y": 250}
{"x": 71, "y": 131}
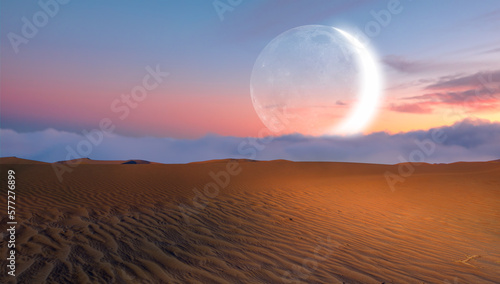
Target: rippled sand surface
{"x": 274, "y": 222}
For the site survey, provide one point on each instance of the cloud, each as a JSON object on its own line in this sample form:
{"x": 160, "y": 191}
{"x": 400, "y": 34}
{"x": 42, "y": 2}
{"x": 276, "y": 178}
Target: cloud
{"x": 469, "y": 140}
{"x": 411, "y": 108}
{"x": 404, "y": 65}
{"x": 489, "y": 80}
{"x": 469, "y": 100}
{"x": 478, "y": 95}
{"x": 494, "y": 50}
{"x": 474, "y": 93}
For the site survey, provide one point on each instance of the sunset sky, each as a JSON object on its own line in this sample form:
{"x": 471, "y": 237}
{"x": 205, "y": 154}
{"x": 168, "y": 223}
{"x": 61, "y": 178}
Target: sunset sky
{"x": 440, "y": 62}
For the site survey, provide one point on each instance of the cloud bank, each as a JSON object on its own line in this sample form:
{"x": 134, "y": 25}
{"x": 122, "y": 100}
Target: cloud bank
{"x": 469, "y": 140}
{"x": 478, "y": 92}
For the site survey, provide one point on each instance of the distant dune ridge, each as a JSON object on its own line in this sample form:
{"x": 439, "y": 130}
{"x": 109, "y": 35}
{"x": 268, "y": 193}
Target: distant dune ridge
{"x": 136, "y": 162}
{"x": 88, "y": 161}
{"x": 243, "y": 221}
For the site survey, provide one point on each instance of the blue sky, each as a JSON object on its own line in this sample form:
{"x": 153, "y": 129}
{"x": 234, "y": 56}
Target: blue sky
{"x": 90, "y": 52}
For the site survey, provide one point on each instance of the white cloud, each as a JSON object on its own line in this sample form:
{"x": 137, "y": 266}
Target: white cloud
{"x": 466, "y": 141}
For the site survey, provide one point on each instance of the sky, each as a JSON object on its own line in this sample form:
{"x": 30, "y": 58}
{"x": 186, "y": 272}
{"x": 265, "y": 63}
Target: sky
{"x": 68, "y": 67}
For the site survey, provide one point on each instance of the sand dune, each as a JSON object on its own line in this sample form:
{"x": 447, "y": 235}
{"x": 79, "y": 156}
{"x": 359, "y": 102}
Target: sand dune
{"x": 87, "y": 161}
{"x": 274, "y": 222}
{"x": 15, "y": 161}
{"x": 136, "y": 162}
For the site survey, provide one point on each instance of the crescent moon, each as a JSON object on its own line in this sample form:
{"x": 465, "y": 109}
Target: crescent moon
{"x": 370, "y": 90}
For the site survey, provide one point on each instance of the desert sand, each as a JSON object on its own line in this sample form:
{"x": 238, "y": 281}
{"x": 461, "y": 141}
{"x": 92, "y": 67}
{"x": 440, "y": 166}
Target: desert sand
{"x": 274, "y": 222}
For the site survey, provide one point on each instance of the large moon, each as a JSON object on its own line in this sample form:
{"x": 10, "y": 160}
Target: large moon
{"x": 315, "y": 80}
